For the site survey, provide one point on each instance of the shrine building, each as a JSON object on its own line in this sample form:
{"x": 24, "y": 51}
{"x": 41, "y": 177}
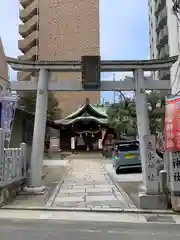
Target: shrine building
{"x": 83, "y": 129}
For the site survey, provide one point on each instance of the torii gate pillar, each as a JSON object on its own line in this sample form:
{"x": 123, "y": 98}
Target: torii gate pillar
{"x": 149, "y": 195}
{"x": 142, "y": 118}
{"x": 37, "y": 154}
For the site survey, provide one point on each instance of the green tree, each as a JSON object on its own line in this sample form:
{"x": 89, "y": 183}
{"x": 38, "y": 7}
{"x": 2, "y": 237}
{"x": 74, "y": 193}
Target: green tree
{"x": 122, "y": 115}
{"x": 28, "y": 103}
{"x": 156, "y": 107}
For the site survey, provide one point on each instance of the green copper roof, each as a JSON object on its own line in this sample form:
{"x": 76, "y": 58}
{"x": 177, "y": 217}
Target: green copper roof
{"x": 76, "y": 112}
{"x": 99, "y": 109}
{"x": 71, "y": 121}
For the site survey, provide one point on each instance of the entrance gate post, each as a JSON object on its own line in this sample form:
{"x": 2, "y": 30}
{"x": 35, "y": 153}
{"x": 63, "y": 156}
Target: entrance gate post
{"x": 37, "y": 154}
{"x": 150, "y": 198}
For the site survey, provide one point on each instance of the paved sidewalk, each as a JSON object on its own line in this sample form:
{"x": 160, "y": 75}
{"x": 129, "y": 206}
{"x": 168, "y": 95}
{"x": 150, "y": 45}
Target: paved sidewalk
{"x": 54, "y": 171}
{"x": 127, "y": 177}
{"x": 16, "y": 216}
{"x": 130, "y": 183}
{"x": 88, "y": 186}
{"x": 55, "y": 163}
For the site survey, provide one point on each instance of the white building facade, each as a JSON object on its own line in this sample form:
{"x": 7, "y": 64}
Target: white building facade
{"x": 164, "y": 38}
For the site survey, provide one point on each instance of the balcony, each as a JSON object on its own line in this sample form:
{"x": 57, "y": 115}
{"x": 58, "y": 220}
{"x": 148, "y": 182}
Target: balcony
{"x": 28, "y": 12}
{"x": 160, "y": 4}
{"x": 27, "y": 43}
{"x": 25, "y": 3}
{"x": 161, "y": 19}
{"x": 31, "y": 55}
{"x": 164, "y": 52}
{"x": 29, "y": 26}
{"x": 163, "y": 37}
{"x": 164, "y": 74}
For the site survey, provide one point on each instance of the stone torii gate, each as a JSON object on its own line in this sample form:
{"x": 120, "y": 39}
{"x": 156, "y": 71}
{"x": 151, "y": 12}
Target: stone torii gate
{"x": 138, "y": 83}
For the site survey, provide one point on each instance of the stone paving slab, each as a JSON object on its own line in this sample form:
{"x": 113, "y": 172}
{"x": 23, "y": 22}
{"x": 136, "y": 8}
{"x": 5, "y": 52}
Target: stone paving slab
{"x": 70, "y": 199}
{"x": 73, "y": 194}
{"x": 100, "y": 193}
{"x": 71, "y": 205}
{"x": 105, "y": 204}
{"x": 100, "y": 198}
{"x": 80, "y": 190}
{"x": 88, "y": 185}
{"x": 99, "y": 189}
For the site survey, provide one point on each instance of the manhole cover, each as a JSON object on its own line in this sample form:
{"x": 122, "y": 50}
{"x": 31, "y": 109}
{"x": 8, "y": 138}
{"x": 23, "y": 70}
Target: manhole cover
{"x": 162, "y": 219}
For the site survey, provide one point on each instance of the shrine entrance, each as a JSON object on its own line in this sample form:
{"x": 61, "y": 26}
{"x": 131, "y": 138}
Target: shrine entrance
{"x": 90, "y": 68}
{"x": 83, "y": 130}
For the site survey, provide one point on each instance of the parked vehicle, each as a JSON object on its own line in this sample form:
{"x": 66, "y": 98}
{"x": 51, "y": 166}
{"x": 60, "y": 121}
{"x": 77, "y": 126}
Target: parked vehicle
{"x": 126, "y": 155}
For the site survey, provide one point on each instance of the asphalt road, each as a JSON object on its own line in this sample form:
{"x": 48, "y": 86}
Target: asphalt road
{"x": 67, "y": 230}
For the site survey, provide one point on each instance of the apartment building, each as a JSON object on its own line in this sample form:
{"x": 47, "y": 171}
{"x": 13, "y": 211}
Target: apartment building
{"x": 158, "y": 34}
{"x": 60, "y": 30}
{"x": 164, "y": 38}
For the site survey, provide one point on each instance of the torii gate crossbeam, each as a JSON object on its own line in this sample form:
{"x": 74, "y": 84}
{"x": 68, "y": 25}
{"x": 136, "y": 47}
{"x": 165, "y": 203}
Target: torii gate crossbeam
{"x": 73, "y": 85}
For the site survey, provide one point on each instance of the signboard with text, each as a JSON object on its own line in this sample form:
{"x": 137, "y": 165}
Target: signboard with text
{"x": 175, "y": 172}
{"x": 151, "y": 166}
{"x": 172, "y": 124}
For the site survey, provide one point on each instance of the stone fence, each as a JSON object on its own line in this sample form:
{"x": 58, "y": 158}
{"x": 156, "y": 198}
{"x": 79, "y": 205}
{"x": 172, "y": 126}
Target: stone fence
{"x": 13, "y": 169}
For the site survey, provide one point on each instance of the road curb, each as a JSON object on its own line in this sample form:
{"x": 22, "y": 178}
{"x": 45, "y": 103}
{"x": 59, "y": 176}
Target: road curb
{"x": 133, "y": 208}
{"x": 54, "y": 194}
{"x": 124, "y": 194}
{"x": 94, "y": 210}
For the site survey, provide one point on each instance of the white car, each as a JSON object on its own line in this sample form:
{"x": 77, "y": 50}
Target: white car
{"x": 126, "y": 155}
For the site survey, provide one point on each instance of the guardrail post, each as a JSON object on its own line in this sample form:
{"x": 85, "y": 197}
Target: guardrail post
{"x": 24, "y": 159}
{"x": 163, "y": 181}
{"x": 167, "y": 168}
{"x": 1, "y": 155}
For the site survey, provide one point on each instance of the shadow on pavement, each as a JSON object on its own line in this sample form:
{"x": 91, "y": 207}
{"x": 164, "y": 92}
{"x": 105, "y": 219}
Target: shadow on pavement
{"x": 130, "y": 170}
{"x": 132, "y": 188}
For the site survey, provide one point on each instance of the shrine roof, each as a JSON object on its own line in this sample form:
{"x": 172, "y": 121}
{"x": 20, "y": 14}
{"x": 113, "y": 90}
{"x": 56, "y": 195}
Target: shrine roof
{"x": 71, "y": 121}
{"x": 99, "y": 110}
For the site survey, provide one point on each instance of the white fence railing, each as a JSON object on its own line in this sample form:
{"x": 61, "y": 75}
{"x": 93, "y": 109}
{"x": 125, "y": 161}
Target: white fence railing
{"x": 13, "y": 165}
